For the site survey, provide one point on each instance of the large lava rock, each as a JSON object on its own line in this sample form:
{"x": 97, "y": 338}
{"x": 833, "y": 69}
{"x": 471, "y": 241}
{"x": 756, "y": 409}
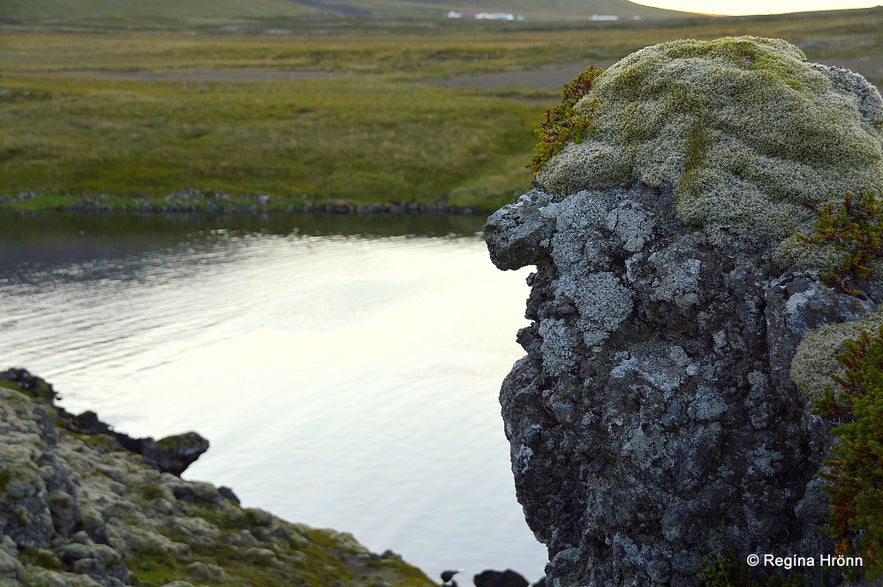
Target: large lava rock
{"x": 654, "y": 420}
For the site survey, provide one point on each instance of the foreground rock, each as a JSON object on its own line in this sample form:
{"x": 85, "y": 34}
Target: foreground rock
{"x": 654, "y": 425}
{"x": 507, "y": 578}
{"x": 77, "y": 508}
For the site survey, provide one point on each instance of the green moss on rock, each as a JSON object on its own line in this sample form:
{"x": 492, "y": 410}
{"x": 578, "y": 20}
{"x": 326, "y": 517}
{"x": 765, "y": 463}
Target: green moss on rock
{"x": 815, "y": 362}
{"x": 748, "y": 132}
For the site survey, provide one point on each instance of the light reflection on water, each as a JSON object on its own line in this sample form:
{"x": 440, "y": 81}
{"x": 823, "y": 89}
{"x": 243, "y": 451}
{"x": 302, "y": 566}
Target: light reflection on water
{"x": 344, "y": 381}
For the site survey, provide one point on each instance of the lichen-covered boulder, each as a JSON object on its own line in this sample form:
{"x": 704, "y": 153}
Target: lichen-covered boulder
{"x": 654, "y": 421}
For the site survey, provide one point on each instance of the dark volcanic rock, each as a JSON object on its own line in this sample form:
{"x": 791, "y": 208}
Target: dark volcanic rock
{"x": 507, "y": 578}
{"x": 173, "y": 454}
{"x": 654, "y": 421}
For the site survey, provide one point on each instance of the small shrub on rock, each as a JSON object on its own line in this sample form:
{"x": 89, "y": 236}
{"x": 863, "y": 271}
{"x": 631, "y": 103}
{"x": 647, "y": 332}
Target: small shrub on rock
{"x": 855, "y": 473}
{"x": 563, "y": 124}
{"x": 855, "y": 228}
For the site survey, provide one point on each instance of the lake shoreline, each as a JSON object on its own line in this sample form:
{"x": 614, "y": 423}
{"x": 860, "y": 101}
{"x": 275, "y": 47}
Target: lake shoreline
{"x": 196, "y": 201}
{"x": 99, "y": 515}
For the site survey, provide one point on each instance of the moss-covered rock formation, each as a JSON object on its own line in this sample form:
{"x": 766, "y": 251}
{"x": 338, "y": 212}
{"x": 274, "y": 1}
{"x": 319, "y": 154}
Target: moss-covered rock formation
{"x": 748, "y": 132}
{"x": 684, "y": 315}
{"x": 79, "y": 509}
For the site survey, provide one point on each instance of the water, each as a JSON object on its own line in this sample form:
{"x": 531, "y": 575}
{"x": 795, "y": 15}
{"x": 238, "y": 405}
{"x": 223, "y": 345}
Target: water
{"x": 345, "y": 369}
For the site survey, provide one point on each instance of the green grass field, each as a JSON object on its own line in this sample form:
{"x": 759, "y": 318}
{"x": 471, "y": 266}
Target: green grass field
{"x": 129, "y": 116}
{"x": 362, "y": 139}
{"x": 225, "y": 10}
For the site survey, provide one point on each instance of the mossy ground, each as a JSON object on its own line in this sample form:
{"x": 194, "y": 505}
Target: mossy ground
{"x": 815, "y": 362}
{"x": 300, "y": 556}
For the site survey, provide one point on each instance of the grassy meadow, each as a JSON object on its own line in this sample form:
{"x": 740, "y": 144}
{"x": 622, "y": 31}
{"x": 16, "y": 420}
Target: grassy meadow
{"x": 82, "y": 11}
{"x": 314, "y": 110}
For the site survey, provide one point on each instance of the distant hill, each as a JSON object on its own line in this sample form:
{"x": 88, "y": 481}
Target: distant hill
{"x": 530, "y": 10}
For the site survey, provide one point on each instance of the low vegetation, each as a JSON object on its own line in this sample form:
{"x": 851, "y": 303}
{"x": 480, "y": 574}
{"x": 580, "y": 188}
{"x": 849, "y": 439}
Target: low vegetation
{"x": 855, "y": 229}
{"x": 855, "y": 472}
{"x": 854, "y": 406}
{"x": 128, "y": 110}
{"x": 124, "y": 521}
{"x": 562, "y": 124}
{"x": 363, "y": 139}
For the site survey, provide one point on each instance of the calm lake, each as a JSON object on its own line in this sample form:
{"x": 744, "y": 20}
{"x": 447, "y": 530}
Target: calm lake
{"x": 344, "y": 368}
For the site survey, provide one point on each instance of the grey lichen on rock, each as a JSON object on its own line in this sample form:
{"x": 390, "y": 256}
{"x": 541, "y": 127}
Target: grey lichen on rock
{"x": 655, "y": 419}
{"x": 79, "y": 508}
{"x": 746, "y": 130}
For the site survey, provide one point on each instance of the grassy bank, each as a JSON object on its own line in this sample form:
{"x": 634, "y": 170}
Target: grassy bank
{"x": 362, "y": 139}
{"x": 131, "y": 117}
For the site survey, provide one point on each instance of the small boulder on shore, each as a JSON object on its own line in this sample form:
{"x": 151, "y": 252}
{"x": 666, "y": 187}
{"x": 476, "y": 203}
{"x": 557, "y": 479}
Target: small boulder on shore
{"x": 507, "y": 578}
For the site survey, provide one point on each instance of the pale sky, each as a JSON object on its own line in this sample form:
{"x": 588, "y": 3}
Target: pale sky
{"x": 757, "y": 6}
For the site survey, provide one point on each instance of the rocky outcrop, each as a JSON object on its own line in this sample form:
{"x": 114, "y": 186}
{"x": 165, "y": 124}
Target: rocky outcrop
{"x": 654, "y": 424}
{"x": 172, "y": 454}
{"x": 492, "y": 578}
{"x": 79, "y": 508}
